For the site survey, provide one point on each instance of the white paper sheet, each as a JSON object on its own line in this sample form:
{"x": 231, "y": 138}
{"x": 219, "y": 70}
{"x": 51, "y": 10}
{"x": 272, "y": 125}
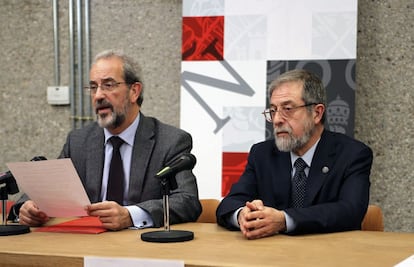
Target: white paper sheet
{"x": 91, "y": 261}
{"x": 408, "y": 262}
{"x": 53, "y": 185}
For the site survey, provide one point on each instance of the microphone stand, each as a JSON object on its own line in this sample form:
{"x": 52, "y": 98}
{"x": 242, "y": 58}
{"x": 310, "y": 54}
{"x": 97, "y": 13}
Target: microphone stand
{"x": 9, "y": 186}
{"x": 167, "y": 235}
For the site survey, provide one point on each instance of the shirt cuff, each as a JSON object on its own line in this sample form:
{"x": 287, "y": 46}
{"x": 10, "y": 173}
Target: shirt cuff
{"x": 140, "y": 217}
{"x": 290, "y": 223}
{"x": 233, "y": 218}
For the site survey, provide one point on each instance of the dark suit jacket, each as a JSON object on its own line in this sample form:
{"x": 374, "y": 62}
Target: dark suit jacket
{"x": 335, "y": 201}
{"x": 156, "y": 144}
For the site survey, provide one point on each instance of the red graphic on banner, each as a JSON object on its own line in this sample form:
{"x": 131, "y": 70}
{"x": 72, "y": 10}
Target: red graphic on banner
{"x": 233, "y": 167}
{"x": 203, "y": 38}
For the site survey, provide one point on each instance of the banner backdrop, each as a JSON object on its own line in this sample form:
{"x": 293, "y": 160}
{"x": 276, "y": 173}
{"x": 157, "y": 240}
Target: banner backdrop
{"x": 232, "y": 50}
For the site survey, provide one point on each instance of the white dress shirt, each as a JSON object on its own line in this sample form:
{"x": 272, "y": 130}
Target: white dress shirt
{"x": 140, "y": 217}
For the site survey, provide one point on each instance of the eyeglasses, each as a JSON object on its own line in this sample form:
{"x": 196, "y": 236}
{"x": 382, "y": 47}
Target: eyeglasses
{"x": 107, "y": 86}
{"x": 285, "y": 111}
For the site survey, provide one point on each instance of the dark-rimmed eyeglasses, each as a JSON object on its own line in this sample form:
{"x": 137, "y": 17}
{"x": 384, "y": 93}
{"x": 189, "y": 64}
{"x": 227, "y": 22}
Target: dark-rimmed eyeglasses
{"x": 284, "y": 111}
{"x": 108, "y": 86}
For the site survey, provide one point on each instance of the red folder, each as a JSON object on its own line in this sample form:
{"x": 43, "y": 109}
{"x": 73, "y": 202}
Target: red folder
{"x": 83, "y": 225}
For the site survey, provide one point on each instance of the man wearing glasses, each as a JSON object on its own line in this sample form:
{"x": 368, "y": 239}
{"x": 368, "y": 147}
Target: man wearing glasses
{"x": 134, "y": 197}
{"x": 307, "y": 179}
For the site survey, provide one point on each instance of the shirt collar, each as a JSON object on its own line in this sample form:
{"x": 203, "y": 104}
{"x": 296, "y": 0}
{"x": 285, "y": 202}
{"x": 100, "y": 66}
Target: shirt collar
{"x": 128, "y": 135}
{"x": 307, "y": 157}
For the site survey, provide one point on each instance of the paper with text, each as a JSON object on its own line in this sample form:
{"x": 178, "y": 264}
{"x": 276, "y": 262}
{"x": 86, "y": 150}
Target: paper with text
{"x": 53, "y": 185}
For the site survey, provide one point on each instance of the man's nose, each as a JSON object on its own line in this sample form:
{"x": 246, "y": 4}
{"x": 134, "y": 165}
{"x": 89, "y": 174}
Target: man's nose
{"x": 277, "y": 118}
{"x": 99, "y": 92}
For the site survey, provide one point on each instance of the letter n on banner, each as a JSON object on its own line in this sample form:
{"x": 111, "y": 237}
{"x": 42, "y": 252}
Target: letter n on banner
{"x": 218, "y": 104}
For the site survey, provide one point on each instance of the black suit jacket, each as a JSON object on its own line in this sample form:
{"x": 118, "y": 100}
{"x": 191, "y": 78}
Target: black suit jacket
{"x": 335, "y": 200}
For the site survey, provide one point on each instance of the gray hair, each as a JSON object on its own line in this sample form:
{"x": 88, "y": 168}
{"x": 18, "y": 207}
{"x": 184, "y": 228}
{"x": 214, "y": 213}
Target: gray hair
{"x": 313, "y": 89}
{"x": 131, "y": 70}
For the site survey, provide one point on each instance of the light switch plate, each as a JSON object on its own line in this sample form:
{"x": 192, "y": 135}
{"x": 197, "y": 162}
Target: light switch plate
{"x": 58, "y": 95}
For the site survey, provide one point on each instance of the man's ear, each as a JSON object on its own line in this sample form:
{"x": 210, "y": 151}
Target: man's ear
{"x": 135, "y": 91}
{"x": 319, "y": 111}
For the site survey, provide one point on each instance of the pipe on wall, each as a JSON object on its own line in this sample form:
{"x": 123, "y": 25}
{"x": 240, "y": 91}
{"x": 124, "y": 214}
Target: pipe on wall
{"x": 72, "y": 66}
{"x": 80, "y": 105}
{"x": 88, "y": 110}
{"x": 80, "y": 62}
{"x": 56, "y": 40}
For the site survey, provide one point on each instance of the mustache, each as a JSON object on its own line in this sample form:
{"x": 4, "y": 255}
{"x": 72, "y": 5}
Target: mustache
{"x": 103, "y": 104}
{"x": 277, "y": 130}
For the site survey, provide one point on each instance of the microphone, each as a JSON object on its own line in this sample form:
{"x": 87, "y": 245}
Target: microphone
{"x": 5, "y": 176}
{"x": 38, "y": 158}
{"x": 186, "y": 161}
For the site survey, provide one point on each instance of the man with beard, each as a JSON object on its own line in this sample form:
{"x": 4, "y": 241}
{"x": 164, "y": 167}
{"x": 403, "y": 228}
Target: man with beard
{"x": 147, "y": 146}
{"x": 327, "y": 192}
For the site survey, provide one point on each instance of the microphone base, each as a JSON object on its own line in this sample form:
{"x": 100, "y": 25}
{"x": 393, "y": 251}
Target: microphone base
{"x": 14, "y": 230}
{"x": 167, "y": 236}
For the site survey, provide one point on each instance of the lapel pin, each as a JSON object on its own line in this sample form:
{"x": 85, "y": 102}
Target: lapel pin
{"x": 325, "y": 169}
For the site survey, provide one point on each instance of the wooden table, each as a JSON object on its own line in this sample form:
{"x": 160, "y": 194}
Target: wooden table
{"x": 212, "y": 246}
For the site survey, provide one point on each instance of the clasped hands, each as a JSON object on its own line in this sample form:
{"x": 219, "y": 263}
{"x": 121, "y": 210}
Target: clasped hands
{"x": 257, "y": 221}
{"x": 112, "y": 215}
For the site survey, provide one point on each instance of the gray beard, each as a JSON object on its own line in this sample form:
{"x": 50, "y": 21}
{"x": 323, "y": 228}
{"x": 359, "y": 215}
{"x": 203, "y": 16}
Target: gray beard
{"x": 115, "y": 119}
{"x": 292, "y": 143}
{"x": 111, "y": 121}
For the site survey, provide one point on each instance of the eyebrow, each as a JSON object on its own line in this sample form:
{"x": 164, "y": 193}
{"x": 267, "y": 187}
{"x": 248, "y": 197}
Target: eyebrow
{"x": 284, "y": 103}
{"x": 109, "y": 79}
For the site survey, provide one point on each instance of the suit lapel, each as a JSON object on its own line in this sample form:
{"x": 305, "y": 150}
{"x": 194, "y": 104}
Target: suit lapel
{"x": 323, "y": 161}
{"x": 281, "y": 177}
{"x": 94, "y": 165}
{"x": 143, "y": 146}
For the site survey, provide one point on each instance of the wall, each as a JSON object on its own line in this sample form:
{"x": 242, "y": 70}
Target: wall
{"x": 384, "y": 110}
{"x": 150, "y": 31}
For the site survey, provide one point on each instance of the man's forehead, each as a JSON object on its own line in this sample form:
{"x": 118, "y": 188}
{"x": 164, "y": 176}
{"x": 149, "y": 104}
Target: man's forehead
{"x": 289, "y": 89}
{"x": 106, "y": 69}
